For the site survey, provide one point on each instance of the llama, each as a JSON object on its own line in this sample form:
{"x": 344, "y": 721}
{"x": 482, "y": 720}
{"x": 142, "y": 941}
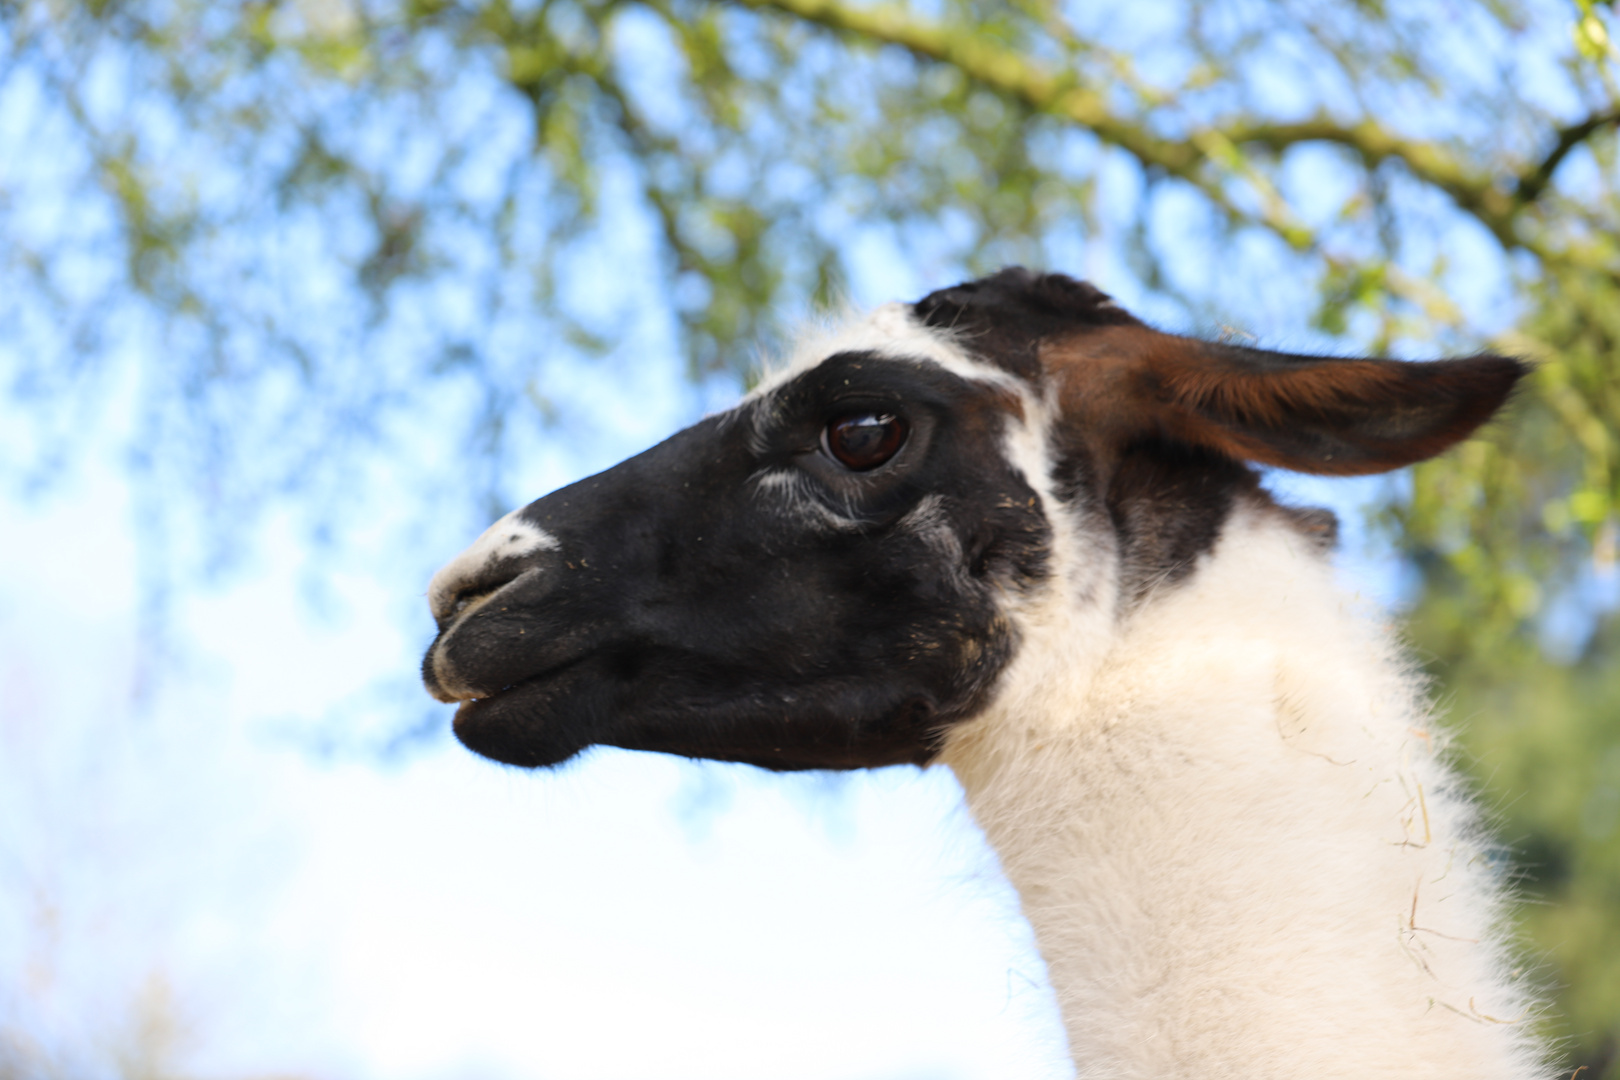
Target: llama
{"x": 1013, "y": 529}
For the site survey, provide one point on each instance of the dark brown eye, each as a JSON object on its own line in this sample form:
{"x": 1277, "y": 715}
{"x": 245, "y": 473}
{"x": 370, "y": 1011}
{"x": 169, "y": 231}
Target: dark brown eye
{"x": 865, "y": 440}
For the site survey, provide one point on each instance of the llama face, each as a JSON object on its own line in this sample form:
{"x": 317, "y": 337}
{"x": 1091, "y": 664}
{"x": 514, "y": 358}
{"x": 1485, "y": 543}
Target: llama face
{"x": 812, "y": 580}
{"x": 836, "y": 571}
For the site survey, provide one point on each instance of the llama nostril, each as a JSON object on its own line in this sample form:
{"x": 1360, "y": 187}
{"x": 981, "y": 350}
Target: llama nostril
{"x": 467, "y": 598}
{"x": 474, "y": 595}
{"x": 458, "y": 604}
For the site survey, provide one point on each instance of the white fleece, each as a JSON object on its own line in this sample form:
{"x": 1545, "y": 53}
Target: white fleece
{"x": 1235, "y": 834}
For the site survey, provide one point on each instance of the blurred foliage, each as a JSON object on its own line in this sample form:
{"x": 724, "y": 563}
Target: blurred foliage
{"x": 293, "y": 233}
{"x": 1546, "y": 740}
{"x": 145, "y": 1045}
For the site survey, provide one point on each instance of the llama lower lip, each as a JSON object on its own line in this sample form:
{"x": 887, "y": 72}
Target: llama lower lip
{"x": 526, "y": 724}
{"x": 500, "y": 709}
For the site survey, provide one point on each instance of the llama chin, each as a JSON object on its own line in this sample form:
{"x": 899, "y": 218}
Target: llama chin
{"x": 1013, "y": 530}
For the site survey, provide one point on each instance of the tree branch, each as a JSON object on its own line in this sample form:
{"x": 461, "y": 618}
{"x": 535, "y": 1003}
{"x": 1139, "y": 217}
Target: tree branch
{"x": 1534, "y": 182}
{"x": 998, "y": 68}
{"x": 1010, "y": 73}
{"x": 1430, "y": 162}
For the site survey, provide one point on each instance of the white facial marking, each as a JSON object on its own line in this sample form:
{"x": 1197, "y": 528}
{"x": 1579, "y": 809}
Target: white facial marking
{"x": 929, "y": 522}
{"x": 509, "y": 538}
{"x": 774, "y": 480}
{"x": 790, "y": 492}
{"x": 890, "y": 330}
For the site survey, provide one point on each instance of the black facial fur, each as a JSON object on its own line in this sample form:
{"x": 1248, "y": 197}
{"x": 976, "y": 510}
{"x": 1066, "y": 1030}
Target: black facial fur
{"x": 736, "y": 593}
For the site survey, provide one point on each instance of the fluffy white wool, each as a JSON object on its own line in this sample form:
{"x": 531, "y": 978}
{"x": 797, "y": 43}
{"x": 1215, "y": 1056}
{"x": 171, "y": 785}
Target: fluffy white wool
{"x": 1234, "y": 832}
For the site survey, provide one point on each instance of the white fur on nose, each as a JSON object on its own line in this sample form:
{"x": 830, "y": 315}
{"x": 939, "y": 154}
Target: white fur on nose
{"x": 509, "y": 538}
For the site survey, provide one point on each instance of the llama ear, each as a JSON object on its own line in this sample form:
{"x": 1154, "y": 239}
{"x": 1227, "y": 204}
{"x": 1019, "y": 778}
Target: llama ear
{"x": 1322, "y": 415}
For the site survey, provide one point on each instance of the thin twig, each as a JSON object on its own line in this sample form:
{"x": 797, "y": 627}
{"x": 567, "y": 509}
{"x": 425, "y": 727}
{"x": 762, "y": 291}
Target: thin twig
{"x": 1534, "y": 182}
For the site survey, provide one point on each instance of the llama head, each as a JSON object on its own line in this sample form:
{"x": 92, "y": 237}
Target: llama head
{"x": 834, "y": 572}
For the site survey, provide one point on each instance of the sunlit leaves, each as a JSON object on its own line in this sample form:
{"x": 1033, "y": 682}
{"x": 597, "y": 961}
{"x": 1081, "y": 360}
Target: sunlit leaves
{"x": 1518, "y": 517}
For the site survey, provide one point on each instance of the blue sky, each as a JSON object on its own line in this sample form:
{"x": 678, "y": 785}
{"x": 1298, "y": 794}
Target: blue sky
{"x": 627, "y": 916}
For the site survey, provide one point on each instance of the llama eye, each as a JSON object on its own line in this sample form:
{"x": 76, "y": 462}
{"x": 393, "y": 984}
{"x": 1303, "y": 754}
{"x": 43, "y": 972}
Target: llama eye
{"x": 864, "y": 441}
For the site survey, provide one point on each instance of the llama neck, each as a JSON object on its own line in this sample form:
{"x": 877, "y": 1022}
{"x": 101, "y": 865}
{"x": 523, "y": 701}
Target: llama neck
{"x": 1235, "y": 841}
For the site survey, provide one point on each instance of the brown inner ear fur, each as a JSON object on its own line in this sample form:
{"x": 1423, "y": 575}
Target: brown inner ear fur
{"x": 1122, "y": 385}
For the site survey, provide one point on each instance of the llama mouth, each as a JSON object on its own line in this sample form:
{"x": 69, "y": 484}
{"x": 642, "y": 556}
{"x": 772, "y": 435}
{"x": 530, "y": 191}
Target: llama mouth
{"x": 468, "y": 704}
{"x": 474, "y": 702}
{"x": 494, "y": 707}
{"x": 535, "y": 686}
{"x": 456, "y": 669}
